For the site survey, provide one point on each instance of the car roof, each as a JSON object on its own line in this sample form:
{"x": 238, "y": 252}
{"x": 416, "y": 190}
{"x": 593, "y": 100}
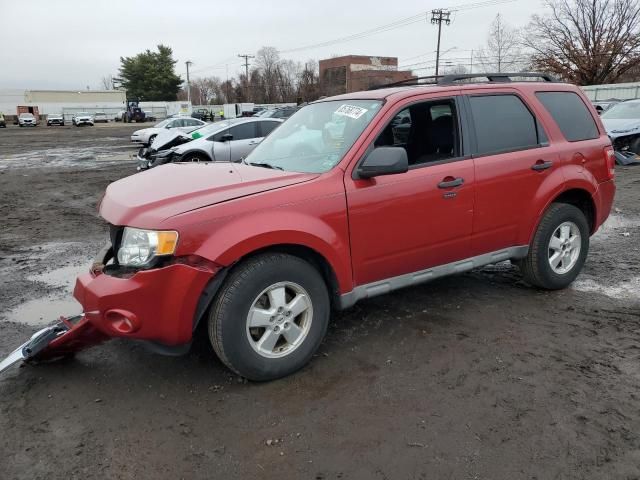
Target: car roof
{"x": 399, "y": 92}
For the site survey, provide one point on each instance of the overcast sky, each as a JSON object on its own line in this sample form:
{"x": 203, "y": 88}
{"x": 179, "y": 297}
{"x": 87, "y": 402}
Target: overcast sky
{"x": 72, "y": 44}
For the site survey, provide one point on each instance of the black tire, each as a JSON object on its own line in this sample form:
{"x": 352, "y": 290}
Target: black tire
{"x": 536, "y": 268}
{"x": 151, "y": 139}
{"x": 195, "y": 157}
{"x": 228, "y": 315}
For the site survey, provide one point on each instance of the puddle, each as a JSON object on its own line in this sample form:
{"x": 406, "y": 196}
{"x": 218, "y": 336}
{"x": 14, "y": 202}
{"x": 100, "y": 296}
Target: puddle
{"x": 42, "y": 311}
{"x": 625, "y": 290}
{"x": 61, "y": 277}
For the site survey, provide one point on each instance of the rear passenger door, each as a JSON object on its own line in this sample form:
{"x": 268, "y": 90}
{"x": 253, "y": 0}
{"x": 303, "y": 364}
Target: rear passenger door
{"x": 512, "y": 159}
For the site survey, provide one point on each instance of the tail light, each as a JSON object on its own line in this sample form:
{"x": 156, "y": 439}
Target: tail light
{"x": 610, "y": 158}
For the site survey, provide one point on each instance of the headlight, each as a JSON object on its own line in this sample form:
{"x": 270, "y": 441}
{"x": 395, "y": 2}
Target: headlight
{"x": 140, "y": 247}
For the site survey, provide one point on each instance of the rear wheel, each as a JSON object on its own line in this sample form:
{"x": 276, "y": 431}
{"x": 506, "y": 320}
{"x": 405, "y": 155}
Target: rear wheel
{"x": 559, "y": 248}
{"x": 270, "y": 316}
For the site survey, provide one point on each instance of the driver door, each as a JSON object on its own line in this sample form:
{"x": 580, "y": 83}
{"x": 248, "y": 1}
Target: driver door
{"x": 409, "y": 222}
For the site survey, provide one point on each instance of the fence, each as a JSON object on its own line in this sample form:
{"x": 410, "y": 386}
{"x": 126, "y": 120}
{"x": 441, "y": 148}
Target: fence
{"x": 620, "y": 91}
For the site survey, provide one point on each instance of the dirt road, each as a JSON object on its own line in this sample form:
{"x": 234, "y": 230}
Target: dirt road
{"x": 477, "y": 376}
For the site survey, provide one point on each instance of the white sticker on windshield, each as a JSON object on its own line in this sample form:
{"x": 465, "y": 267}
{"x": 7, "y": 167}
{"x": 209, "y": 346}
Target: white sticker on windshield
{"x": 351, "y": 111}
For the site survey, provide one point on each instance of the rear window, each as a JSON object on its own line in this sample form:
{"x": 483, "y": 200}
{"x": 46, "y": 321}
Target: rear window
{"x": 571, "y": 114}
{"x": 503, "y": 124}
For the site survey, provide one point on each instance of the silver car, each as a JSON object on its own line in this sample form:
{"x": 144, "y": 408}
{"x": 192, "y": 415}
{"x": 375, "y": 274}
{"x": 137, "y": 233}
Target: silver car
{"x": 226, "y": 141}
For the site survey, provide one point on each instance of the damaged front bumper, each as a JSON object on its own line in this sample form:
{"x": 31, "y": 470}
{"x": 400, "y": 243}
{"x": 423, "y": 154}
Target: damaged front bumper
{"x": 157, "y": 306}
{"x": 63, "y": 338}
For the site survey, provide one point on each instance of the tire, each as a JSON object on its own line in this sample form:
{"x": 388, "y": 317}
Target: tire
{"x": 239, "y": 347}
{"x": 195, "y": 157}
{"x": 151, "y": 139}
{"x": 537, "y": 266}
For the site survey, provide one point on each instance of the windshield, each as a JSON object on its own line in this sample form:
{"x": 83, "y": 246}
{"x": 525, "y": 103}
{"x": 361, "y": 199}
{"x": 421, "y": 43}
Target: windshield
{"x": 623, "y": 111}
{"x": 315, "y": 139}
{"x": 26, "y": 115}
{"x": 209, "y": 128}
{"x": 82, "y": 114}
{"x": 163, "y": 123}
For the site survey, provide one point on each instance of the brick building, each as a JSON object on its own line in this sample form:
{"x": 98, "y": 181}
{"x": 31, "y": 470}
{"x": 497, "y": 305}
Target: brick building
{"x": 353, "y": 73}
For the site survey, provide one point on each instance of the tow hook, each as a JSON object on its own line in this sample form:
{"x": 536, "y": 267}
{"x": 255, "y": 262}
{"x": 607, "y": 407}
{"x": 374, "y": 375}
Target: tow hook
{"x": 65, "y": 337}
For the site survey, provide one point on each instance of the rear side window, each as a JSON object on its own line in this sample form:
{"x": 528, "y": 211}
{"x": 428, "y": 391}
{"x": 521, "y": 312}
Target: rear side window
{"x": 503, "y": 123}
{"x": 571, "y": 115}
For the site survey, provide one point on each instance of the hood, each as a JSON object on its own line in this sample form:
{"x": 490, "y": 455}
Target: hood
{"x": 146, "y": 199}
{"x": 621, "y": 127}
{"x": 169, "y": 138}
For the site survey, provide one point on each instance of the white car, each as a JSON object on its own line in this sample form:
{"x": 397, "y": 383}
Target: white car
{"x": 82, "y": 118}
{"x": 27, "y": 120}
{"x": 146, "y": 136}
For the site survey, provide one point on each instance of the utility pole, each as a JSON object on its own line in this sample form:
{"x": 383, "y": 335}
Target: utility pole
{"x": 471, "y": 64}
{"x": 188, "y": 63}
{"x": 439, "y": 16}
{"x": 246, "y": 70}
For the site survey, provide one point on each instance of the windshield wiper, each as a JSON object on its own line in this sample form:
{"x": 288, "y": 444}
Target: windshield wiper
{"x": 265, "y": 165}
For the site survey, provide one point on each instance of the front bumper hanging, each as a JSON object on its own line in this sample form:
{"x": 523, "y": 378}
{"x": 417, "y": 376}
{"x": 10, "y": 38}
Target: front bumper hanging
{"x": 63, "y": 338}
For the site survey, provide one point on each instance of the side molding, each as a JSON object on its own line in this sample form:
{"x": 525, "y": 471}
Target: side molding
{"x": 388, "y": 285}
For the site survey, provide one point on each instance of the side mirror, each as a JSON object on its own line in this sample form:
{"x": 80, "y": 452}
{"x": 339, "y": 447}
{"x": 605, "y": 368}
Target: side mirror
{"x": 384, "y": 161}
{"x": 227, "y": 138}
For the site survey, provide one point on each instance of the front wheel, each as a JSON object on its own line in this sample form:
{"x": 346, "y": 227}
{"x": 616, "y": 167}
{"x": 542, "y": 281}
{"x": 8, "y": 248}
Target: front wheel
{"x": 559, "y": 248}
{"x": 195, "y": 157}
{"x": 270, "y": 316}
{"x": 151, "y": 139}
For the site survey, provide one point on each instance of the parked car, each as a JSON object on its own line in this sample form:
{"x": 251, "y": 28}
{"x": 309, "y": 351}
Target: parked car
{"x": 3, "y": 123}
{"x": 149, "y": 116}
{"x": 622, "y": 122}
{"x": 324, "y": 213}
{"x": 284, "y": 112}
{"x": 604, "y": 105}
{"x": 226, "y": 141}
{"x": 82, "y": 118}
{"x": 100, "y": 117}
{"x": 55, "y": 119}
{"x": 119, "y": 116}
{"x": 202, "y": 114}
{"x": 27, "y": 120}
{"x": 146, "y": 136}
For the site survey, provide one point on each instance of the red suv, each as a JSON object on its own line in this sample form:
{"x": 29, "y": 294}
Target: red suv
{"x": 353, "y": 196}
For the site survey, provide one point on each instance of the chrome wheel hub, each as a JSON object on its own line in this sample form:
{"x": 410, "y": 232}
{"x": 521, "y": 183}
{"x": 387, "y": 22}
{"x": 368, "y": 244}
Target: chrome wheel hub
{"x": 279, "y": 319}
{"x": 564, "y": 248}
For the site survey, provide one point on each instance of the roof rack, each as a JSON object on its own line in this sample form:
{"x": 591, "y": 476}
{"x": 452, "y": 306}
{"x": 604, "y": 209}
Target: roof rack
{"x": 410, "y": 81}
{"x": 451, "y": 79}
{"x": 497, "y": 77}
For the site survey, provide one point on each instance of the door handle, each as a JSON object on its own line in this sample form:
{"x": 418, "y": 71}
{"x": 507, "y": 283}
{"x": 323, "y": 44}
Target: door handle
{"x": 541, "y": 165}
{"x": 453, "y": 182}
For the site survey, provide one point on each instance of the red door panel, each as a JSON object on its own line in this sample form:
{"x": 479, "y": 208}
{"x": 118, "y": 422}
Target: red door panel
{"x": 405, "y": 223}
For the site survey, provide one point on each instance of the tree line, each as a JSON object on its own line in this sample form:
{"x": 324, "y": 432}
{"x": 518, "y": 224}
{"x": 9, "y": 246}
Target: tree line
{"x": 586, "y": 42}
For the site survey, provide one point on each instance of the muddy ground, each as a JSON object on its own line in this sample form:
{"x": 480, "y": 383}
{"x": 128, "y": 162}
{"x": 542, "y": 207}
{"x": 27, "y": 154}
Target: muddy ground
{"x": 477, "y": 376}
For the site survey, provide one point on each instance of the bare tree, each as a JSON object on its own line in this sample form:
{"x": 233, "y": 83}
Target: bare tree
{"x": 267, "y": 61}
{"x": 204, "y": 89}
{"x": 501, "y": 52}
{"x": 588, "y": 42}
{"x": 106, "y": 83}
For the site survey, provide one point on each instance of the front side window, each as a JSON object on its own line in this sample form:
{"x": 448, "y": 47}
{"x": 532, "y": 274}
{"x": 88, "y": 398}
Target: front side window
{"x": 427, "y": 131}
{"x": 503, "y": 123}
{"x": 244, "y": 131}
{"x": 571, "y": 114}
{"x": 316, "y": 137}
